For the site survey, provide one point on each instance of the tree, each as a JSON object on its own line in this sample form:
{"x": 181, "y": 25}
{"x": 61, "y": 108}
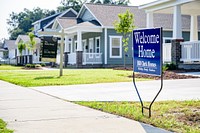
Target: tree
{"x": 125, "y": 26}
{"x": 32, "y": 42}
{"x": 112, "y": 2}
{"x": 21, "y": 46}
{"x": 21, "y": 23}
{"x": 74, "y": 4}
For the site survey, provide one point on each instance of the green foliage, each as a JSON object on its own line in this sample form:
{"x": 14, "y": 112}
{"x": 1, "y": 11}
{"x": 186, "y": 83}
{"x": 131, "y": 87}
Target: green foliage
{"x": 171, "y": 66}
{"x": 28, "y": 65}
{"x": 32, "y": 42}
{"x": 21, "y": 23}
{"x": 111, "y": 2}
{"x": 74, "y": 4}
{"x": 164, "y": 68}
{"x": 21, "y": 46}
{"x": 125, "y": 26}
{"x": 37, "y": 66}
{"x": 3, "y": 128}
{"x": 43, "y": 64}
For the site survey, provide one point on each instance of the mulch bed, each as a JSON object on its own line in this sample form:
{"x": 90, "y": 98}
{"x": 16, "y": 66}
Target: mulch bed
{"x": 166, "y": 75}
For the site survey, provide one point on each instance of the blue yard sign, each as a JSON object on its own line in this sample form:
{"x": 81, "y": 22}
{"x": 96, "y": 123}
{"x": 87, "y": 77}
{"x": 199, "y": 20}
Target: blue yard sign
{"x": 147, "y": 51}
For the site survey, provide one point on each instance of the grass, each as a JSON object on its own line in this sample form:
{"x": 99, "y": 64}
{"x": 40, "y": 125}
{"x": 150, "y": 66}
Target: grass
{"x": 176, "y": 116}
{"x": 30, "y": 78}
{"x": 3, "y": 128}
{"x": 9, "y": 67}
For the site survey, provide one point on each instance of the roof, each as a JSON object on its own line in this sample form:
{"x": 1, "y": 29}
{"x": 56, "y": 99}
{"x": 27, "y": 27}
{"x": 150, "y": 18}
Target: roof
{"x": 25, "y": 39}
{"x": 10, "y": 44}
{"x": 107, "y": 14}
{"x": 50, "y": 24}
{"x": 66, "y": 22}
{"x": 40, "y": 20}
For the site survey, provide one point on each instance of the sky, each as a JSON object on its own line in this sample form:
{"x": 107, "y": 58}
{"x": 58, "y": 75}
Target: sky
{"x": 9, "y": 6}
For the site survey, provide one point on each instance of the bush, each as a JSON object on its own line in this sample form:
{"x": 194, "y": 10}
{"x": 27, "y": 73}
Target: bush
{"x": 38, "y": 66}
{"x": 43, "y": 64}
{"x": 32, "y": 65}
{"x": 171, "y": 66}
{"x": 28, "y": 65}
{"x": 164, "y": 68}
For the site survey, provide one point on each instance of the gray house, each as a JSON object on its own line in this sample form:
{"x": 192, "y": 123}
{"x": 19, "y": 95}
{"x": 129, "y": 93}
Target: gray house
{"x": 90, "y": 39}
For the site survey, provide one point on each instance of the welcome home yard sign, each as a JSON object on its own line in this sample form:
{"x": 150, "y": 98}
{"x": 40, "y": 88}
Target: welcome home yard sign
{"x": 147, "y": 51}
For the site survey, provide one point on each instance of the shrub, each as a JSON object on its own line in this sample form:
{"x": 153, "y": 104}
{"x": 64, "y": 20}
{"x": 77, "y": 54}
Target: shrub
{"x": 164, "y": 68}
{"x": 28, "y": 65}
{"x": 37, "y": 66}
{"x": 32, "y": 65}
{"x": 171, "y": 66}
{"x": 43, "y": 64}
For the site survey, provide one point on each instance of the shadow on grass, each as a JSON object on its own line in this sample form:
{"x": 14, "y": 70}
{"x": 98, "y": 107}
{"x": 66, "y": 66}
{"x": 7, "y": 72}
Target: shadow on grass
{"x": 46, "y": 77}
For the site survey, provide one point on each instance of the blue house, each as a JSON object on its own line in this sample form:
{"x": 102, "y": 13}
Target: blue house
{"x": 90, "y": 38}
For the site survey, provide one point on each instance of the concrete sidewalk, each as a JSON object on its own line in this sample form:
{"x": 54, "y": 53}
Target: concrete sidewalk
{"x": 28, "y": 111}
{"x": 184, "y": 89}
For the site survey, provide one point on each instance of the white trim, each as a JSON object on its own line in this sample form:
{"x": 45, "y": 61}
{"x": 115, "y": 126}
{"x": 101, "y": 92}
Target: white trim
{"x": 106, "y": 46}
{"x": 91, "y": 47}
{"x": 120, "y": 47}
{"x": 84, "y": 41}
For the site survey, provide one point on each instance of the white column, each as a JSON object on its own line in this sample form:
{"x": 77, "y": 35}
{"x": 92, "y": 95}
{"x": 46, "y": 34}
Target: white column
{"x": 79, "y": 41}
{"x": 105, "y": 46}
{"x": 149, "y": 23}
{"x": 194, "y": 28}
{"x": 66, "y": 43}
{"x": 177, "y": 23}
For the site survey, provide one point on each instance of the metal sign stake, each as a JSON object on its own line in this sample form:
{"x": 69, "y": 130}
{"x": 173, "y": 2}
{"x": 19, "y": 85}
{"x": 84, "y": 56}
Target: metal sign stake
{"x": 142, "y": 104}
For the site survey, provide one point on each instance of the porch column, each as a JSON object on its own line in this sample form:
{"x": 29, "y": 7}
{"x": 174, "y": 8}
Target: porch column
{"x": 66, "y": 50}
{"x": 79, "y": 52}
{"x": 149, "y": 23}
{"x": 194, "y": 28}
{"x": 177, "y": 23}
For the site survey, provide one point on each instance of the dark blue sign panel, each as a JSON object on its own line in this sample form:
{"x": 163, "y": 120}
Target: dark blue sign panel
{"x": 147, "y": 51}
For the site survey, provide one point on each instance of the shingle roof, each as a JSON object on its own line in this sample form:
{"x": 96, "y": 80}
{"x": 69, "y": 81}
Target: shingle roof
{"x": 107, "y": 14}
{"x": 10, "y": 44}
{"x": 25, "y": 38}
{"x": 67, "y": 22}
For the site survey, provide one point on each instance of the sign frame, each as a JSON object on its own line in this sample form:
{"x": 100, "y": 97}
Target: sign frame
{"x": 157, "y": 74}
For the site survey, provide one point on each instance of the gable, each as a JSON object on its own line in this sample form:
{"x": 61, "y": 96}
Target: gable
{"x": 69, "y": 14}
{"x": 87, "y": 16}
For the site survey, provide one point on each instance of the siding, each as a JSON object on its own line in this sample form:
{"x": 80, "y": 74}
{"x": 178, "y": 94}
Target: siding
{"x": 119, "y": 61}
{"x": 87, "y": 16}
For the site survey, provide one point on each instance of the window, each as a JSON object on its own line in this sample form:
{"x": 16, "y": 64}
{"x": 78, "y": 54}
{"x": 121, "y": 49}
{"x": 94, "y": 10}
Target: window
{"x": 115, "y": 47}
{"x": 97, "y": 44}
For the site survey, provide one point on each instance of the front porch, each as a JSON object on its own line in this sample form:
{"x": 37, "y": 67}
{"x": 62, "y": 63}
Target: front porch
{"x": 186, "y": 18}
{"x": 84, "y": 45}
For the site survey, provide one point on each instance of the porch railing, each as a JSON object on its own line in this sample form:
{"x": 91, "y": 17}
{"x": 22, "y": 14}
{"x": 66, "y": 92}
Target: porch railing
{"x": 72, "y": 58}
{"x": 167, "y": 52}
{"x": 92, "y": 58}
{"x": 190, "y": 51}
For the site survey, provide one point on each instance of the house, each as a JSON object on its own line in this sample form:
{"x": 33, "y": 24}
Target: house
{"x": 11, "y": 47}
{"x": 3, "y": 51}
{"x": 68, "y": 14}
{"x": 28, "y": 57}
{"x": 39, "y": 24}
{"x": 90, "y": 39}
{"x": 185, "y": 22}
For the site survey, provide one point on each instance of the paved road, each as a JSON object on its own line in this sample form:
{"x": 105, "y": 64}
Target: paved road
{"x": 28, "y": 111}
{"x": 185, "y": 89}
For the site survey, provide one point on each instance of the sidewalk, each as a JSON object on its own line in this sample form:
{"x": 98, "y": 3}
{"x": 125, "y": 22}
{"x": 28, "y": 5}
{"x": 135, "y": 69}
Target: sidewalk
{"x": 28, "y": 111}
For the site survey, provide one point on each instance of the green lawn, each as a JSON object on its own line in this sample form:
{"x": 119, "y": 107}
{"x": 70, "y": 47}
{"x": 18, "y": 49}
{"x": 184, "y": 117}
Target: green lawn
{"x": 9, "y": 67}
{"x": 31, "y": 78}
{"x": 177, "y": 116}
{"x": 3, "y": 128}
